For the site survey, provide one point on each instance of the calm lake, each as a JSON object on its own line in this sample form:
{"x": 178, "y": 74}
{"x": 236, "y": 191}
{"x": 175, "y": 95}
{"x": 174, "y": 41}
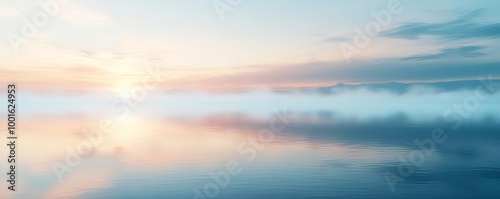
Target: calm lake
{"x": 275, "y": 146}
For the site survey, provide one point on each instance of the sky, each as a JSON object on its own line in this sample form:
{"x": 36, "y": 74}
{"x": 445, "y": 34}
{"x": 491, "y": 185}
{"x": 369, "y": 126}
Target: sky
{"x": 90, "y": 44}
{"x": 58, "y": 49}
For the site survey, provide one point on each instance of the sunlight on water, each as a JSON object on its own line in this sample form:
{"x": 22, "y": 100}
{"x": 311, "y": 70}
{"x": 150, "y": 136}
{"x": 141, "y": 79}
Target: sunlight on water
{"x": 314, "y": 154}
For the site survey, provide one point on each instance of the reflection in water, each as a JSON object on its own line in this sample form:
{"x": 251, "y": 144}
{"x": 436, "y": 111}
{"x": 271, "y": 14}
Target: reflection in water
{"x": 318, "y": 155}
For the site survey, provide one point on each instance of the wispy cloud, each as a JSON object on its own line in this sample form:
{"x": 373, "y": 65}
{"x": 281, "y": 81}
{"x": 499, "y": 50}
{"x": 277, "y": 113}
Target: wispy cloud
{"x": 83, "y": 17}
{"x": 336, "y": 39}
{"x": 447, "y": 53}
{"x": 328, "y": 73}
{"x": 462, "y": 27}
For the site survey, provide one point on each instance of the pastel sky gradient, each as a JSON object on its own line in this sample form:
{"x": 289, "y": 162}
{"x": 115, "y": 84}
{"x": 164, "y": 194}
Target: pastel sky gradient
{"x": 259, "y": 44}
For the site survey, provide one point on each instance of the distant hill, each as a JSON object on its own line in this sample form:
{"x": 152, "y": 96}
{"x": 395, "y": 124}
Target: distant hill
{"x": 394, "y": 87}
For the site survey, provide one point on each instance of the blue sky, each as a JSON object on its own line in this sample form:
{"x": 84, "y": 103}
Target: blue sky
{"x": 282, "y": 43}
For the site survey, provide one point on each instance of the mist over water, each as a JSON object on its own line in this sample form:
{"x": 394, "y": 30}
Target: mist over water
{"x": 419, "y": 104}
{"x": 235, "y": 99}
{"x": 339, "y": 145}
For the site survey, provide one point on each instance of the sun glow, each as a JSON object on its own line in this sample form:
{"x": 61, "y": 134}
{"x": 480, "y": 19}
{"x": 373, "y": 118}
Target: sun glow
{"x": 130, "y": 128}
{"x": 122, "y": 87}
